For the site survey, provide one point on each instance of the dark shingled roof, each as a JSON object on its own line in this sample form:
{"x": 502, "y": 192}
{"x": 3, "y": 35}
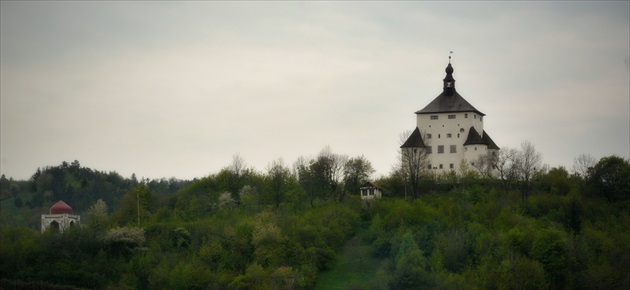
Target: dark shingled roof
{"x": 475, "y": 138}
{"x": 414, "y": 140}
{"x": 370, "y": 184}
{"x": 488, "y": 140}
{"x": 449, "y": 101}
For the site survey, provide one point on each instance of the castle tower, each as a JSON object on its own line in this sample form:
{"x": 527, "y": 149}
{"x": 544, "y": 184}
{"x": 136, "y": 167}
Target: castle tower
{"x": 451, "y": 130}
{"x": 59, "y": 217}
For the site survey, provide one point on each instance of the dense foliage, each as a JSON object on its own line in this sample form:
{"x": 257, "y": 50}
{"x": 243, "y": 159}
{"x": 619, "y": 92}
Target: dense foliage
{"x": 81, "y": 186}
{"x": 283, "y": 228}
{"x": 480, "y": 239}
{"x": 234, "y": 247}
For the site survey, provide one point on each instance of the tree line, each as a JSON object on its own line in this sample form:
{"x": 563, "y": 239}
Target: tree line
{"x": 279, "y": 229}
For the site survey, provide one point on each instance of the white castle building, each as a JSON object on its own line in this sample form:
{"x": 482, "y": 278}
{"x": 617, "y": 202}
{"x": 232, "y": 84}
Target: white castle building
{"x": 451, "y": 130}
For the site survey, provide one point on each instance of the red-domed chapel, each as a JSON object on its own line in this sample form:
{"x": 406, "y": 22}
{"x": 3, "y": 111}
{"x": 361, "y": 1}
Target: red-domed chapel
{"x": 59, "y": 217}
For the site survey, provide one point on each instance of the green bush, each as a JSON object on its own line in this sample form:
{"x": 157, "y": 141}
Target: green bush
{"x": 550, "y": 249}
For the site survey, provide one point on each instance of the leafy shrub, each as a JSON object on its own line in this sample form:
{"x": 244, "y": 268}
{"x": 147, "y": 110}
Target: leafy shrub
{"x": 610, "y": 178}
{"x": 549, "y": 248}
{"x": 124, "y": 240}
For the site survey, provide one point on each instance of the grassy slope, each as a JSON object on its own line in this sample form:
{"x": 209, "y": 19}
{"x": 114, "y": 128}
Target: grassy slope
{"x": 355, "y": 267}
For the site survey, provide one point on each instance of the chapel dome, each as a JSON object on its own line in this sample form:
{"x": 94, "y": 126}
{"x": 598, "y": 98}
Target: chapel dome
{"x": 60, "y": 208}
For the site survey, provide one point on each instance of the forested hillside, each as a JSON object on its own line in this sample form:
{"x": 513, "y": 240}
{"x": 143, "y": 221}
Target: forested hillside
{"x": 285, "y": 227}
{"x": 23, "y": 201}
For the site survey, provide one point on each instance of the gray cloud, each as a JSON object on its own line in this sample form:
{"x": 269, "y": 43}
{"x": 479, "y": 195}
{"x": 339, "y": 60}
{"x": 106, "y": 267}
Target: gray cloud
{"x": 175, "y": 89}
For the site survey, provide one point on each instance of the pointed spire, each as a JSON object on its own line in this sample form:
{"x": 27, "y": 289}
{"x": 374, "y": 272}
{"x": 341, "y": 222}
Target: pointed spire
{"x": 449, "y": 81}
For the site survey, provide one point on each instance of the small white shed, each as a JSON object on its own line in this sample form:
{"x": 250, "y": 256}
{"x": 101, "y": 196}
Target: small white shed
{"x": 370, "y": 191}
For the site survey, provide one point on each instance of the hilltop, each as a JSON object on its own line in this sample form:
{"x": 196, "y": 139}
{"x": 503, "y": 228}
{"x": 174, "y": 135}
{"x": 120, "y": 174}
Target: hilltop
{"x": 288, "y": 229}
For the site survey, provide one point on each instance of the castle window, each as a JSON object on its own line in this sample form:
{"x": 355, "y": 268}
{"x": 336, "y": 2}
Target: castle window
{"x": 461, "y": 130}
{"x": 439, "y": 136}
{"x": 434, "y": 117}
{"x": 466, "y": 115}
{"x": 429, "y": 149}
{"x": 451, "y": 116}
{"x": 453, "y": 148}
{"x": 428, "y": 136}
{"x": 475, "y": 116}
{"x": 457, "y": 135}
{"x": 451, "y": 166}
{"x": 449, "y": 135}
{"x": 440, "y": 148}
{"x": 429, "y": 166}
{"x": 441, "y": 167}
{"x": 475, "y": 148}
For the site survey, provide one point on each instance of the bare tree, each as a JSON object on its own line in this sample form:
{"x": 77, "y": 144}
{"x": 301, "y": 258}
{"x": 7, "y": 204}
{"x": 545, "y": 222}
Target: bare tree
{"x": 529, "y": 164}
{"x": 238, "y": 165}
{"x": 236, "y": 174}
{"x": 485, "y": 164}
{"x": 413, "y": 161}
{"x": 333, "y": 166}
{"x": 321, "y": 177}
{"x": 300, "y": 162}
{"x": 505, "y": 165}
{"x": 582, "y": 163}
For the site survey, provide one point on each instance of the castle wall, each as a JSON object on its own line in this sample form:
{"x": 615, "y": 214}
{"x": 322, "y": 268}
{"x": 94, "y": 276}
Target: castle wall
{"x": 435, "y": 129}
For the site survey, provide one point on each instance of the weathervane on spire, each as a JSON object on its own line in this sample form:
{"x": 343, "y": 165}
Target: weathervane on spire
{"x": 449, "y": 56}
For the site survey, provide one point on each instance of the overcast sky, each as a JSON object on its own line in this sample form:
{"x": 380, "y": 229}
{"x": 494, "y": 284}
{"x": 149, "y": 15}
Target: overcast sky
{"x": 175, "y": 89}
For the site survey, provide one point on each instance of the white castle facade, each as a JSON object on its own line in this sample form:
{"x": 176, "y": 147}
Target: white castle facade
{"x": 451, "y": 130}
